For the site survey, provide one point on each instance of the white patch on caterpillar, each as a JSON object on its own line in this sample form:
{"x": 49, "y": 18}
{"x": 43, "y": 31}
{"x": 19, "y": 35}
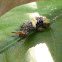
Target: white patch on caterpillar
{"x": 34, "y": 22}
{"x": 45, "y": 20}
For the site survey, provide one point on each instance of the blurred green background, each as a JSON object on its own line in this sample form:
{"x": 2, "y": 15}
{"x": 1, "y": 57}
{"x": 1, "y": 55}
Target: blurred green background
{"x": 40, "y": 46}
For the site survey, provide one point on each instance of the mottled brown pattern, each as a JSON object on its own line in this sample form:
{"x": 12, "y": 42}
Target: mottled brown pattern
{"x": 26, "y": 28}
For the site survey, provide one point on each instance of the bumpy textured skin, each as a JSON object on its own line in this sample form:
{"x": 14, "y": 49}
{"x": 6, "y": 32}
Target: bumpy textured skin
{"x": 40, "y": 26}
{"x": 27, "y": 28}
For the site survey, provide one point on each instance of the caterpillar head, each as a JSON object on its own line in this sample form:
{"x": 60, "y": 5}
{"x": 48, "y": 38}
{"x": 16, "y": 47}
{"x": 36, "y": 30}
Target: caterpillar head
{"x": 40, "y": 23}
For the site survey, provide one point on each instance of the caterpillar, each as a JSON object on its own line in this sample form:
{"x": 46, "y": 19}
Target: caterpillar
{"x": 40, "y": 23}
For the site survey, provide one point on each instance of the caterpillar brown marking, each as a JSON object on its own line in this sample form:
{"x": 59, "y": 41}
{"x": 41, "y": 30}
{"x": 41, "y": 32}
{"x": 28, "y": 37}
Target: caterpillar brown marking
{"x": 39, "y": 23}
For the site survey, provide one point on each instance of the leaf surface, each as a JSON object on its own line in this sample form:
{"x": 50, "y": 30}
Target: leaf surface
{"x": 13, "y": 51}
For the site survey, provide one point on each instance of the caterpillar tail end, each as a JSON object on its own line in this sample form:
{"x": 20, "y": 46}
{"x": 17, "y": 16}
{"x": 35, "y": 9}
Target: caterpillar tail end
{"x": 16, "y": 32}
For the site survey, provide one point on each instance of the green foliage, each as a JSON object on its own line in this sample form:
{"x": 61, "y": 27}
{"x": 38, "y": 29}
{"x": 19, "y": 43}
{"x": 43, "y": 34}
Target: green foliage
{"x": 13, "y": 51}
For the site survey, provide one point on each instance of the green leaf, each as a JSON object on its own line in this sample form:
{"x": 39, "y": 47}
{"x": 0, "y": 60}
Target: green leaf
{"x": 24, "y": 51}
